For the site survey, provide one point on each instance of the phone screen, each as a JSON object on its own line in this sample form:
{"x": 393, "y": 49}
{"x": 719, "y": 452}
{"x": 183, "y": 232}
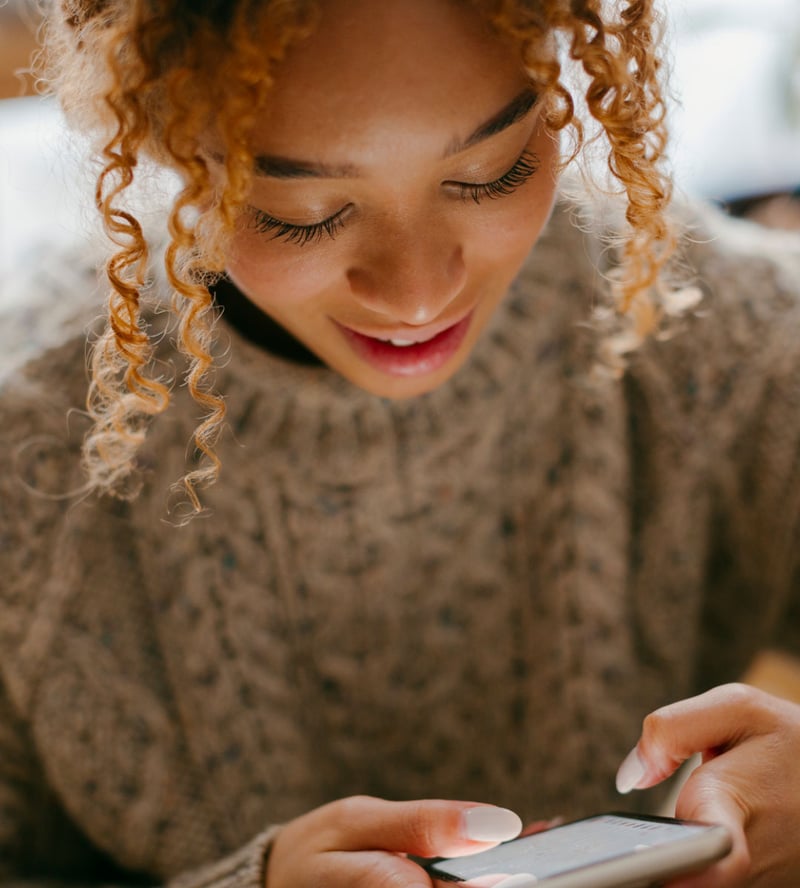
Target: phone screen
{"x": 586, "y": 843}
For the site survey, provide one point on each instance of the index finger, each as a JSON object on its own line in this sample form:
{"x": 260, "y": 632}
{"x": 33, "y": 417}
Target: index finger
{"x": 707, "y": 723}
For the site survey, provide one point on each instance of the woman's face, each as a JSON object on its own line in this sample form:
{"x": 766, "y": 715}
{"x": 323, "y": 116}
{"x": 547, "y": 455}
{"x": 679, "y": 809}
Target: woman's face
{"x": 403, "y": 174}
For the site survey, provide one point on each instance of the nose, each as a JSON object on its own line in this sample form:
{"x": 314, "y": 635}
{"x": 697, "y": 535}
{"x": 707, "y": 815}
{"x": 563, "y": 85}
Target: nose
{"x": 410, "y": 277}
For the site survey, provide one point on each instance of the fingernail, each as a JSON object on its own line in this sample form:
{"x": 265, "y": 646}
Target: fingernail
{"x": 630, "y": 773}
{"x": 485, "y": 823}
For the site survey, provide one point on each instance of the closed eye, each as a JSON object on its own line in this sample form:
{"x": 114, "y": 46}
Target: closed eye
{"x": 297, "y": 234}
{"x": 525, "y": 167}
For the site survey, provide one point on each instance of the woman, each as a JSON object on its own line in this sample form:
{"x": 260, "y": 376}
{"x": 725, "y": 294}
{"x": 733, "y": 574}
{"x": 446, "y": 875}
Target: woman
{"x": 458, "y": 549}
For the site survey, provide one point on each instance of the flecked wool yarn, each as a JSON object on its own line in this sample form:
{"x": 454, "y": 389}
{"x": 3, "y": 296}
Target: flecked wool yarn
{"x": 476, "y": 594}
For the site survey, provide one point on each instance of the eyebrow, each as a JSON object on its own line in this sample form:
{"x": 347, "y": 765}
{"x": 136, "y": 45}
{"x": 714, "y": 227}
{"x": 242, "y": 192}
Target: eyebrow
{"x": 283, "y": 168}
{"x": 512, "y": 113}
{"x": 276, "y": 167}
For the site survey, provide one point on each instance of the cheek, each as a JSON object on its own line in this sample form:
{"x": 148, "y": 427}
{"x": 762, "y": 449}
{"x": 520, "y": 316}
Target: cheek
{"x": 510, "y": 233}
{"x": 273, "y": 274}
{"x": 511, "y": 225}
{"x": 539, "y": 207}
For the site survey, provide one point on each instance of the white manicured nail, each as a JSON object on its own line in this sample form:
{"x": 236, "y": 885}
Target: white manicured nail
{"x": 489, "y": 824}
{"x": 630, "y": 773}
{"x": 521, "y": 880}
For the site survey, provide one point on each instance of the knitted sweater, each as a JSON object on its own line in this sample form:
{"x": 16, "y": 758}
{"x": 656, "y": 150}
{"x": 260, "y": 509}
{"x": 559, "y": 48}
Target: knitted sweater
{"x": 475, "y": 594}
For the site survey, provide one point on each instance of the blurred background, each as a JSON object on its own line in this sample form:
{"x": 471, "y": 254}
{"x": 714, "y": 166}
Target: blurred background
{"x": 736, "y": 122}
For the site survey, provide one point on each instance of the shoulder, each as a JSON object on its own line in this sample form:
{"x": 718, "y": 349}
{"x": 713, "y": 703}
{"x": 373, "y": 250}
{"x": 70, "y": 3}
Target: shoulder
{"x": 724, "y": 368}
{"x": 726, "y": 352}
{"x": 46, "y": 315}
{"x": 747, "y": 278}
{"x": 52, "y": 296}
{"x": 748, "y": 329}
{"x": 750, "y": 275}
{"x": 47, "y": 311}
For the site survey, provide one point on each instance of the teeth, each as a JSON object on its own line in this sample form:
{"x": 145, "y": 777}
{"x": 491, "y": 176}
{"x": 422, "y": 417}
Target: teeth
{"x": 402, "y": 342}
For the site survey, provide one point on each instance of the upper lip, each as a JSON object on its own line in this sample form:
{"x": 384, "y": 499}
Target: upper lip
{"x": 416, "y": 335}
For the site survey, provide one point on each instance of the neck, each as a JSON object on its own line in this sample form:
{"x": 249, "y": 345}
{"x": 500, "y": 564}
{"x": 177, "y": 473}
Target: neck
{"x": 257, "y": 326}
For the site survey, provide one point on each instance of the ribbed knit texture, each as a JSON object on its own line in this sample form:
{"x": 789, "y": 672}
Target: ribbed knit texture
{"x": 476, "y": 594}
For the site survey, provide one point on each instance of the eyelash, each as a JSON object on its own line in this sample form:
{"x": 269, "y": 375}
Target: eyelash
{"x": 298, "y": 234}
{"x": 525, "y": 167}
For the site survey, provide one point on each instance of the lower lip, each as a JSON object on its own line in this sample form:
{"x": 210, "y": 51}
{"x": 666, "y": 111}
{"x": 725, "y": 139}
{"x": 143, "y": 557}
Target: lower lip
{"x": 409, "y": 360}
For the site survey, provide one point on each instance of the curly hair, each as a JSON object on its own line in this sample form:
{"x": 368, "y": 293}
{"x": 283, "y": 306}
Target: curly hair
{"x": 136, "y": 73}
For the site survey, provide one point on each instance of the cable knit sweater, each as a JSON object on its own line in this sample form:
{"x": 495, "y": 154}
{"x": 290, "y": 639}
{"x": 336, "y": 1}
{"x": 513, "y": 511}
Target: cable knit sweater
{"x": 476, "y": 594}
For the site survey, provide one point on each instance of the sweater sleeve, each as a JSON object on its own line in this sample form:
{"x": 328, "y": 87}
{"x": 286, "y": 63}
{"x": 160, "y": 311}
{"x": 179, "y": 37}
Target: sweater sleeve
{"x": 41, "y": 848}
{"x": 44, "y": 840}
{"x": 45, "y": 794}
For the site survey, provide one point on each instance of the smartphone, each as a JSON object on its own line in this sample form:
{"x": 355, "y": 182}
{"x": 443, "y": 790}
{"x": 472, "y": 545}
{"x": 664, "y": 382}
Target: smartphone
{"x": 604, "y": 851}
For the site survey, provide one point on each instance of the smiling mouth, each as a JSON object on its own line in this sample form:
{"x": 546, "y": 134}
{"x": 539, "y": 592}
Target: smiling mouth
{"x": 406, "y": 357}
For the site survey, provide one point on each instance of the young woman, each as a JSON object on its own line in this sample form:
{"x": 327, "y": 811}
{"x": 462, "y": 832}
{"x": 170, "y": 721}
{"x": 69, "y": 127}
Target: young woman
{"x": 493, "y": 483}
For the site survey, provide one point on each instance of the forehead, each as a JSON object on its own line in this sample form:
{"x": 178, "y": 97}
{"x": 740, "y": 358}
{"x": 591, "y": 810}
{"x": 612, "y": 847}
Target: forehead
{"x": 410, "y": 67}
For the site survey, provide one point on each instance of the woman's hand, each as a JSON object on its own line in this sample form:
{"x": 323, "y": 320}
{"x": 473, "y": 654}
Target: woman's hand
{"x": 749, "y": 779}
{"x": 362, "y": 842}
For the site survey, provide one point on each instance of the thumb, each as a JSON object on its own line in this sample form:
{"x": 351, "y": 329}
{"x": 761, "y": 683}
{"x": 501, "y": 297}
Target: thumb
{"x": 423, "y": 828}
{"x": 702, "y": 799}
